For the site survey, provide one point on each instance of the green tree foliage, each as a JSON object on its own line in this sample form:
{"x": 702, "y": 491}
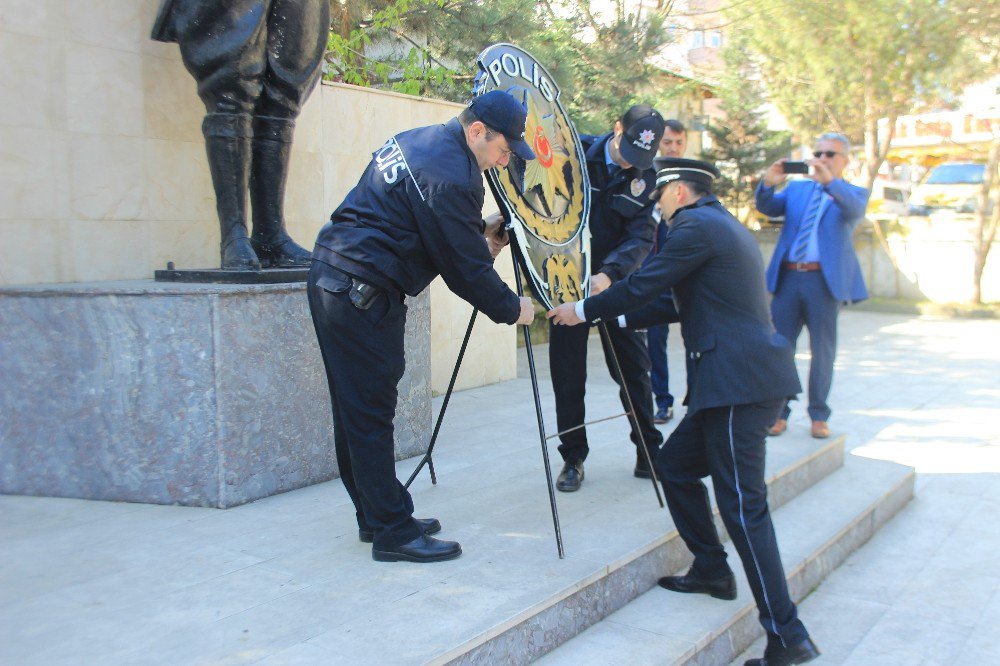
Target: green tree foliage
{"x": 742, "y": 146}
{"x": 844, "y": 65}
{"x": 428, "y": 47}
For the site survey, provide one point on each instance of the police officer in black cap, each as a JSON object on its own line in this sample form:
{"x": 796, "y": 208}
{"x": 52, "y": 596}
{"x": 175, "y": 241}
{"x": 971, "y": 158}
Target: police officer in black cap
{"x": 622, "y": 230}
{"x": 742, "y": 371}
{"x": 416, "y": 213}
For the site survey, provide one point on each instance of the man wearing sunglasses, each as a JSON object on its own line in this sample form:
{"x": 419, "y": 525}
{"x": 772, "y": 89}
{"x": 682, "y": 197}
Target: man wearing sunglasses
{"x": 814, "y": 268}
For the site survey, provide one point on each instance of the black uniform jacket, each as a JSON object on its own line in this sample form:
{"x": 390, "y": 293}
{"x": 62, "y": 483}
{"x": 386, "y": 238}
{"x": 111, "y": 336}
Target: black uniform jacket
{"x": 621, "y": 223}
{"x": 417, "y": 213}
{"x": 716, "y": 271}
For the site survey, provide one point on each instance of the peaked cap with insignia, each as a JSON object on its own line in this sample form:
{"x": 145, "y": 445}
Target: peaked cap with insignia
{"x": 669, "y": 169}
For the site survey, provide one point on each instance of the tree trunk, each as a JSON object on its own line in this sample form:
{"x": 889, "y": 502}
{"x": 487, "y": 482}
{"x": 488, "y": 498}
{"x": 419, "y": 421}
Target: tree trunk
{"x": 986, "y": 221}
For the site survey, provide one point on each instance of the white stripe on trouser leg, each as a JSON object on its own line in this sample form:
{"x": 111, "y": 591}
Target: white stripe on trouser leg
{"x": 746, "y": 534}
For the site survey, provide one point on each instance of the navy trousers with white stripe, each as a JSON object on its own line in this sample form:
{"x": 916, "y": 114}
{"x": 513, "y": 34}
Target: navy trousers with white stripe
{"x": 728, "y": 444}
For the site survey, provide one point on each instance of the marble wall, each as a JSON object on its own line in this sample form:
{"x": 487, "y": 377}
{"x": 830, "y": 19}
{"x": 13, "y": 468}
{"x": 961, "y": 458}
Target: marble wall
{"x": 104, "y": 175}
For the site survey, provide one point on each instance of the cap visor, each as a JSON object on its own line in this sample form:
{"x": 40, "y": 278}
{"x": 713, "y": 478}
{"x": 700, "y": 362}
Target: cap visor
{"x": 655, "y": 194}
{"x": 637, "y": 158}
{"x": 521, "y": 149}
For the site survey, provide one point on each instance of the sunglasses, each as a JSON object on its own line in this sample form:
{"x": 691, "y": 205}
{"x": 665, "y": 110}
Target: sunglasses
{"x": 829, "y": 153}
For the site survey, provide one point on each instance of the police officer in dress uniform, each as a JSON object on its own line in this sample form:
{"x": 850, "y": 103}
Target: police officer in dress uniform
{"x": 255, "y": 61}
{"x": 415, "y": 214}
{"x": 742, "y": 371}
{"x": 622, "y": 229}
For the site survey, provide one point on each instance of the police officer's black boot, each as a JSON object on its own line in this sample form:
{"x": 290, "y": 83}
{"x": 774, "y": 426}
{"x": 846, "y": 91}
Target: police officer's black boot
{"x": 272, "y": 146}
{"x": 227, "y": 140}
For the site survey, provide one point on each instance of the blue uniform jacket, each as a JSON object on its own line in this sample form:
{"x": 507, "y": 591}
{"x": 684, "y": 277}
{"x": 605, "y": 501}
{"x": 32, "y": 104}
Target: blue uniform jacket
{"x": 714, "y": 266}
{"x": 415, "y": 214}
{"x": 621, "y": 227}
{"x": 838, "y": 218}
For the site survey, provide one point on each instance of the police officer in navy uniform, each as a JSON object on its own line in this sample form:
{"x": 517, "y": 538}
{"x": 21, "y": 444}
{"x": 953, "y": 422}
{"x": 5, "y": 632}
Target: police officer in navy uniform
{"x": 622, "y": 229}
{"x": 415, "y": 214}
{"x": 742, "y": 371}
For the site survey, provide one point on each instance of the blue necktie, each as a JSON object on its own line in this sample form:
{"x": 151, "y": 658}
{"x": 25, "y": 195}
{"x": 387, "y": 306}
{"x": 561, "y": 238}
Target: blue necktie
{"x": 809, "y": 221}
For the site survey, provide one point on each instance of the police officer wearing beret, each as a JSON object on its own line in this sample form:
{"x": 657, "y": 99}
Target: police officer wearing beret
{"x": 415, "y": 214}
{"x": 741, "y": 372}
{"x": 622, "y": 230}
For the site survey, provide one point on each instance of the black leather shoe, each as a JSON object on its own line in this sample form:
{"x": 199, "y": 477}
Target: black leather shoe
{"x": 570, "y": 478}
{"x": 430, "y": 525}
{"x": 720, "y": 588}
{"x": 664, "y": 416}
{"x": 777, "y": 655}
{"x": 422, "y": 549}
{"x": 641, "y": 470}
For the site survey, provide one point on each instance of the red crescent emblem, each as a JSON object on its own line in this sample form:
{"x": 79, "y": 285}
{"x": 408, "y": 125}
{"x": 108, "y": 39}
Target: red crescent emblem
{"x": 543, "y": 149}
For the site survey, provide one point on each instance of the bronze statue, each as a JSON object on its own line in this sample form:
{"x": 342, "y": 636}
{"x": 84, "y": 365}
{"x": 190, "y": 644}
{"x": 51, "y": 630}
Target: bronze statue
{"x": 255, "y": 61}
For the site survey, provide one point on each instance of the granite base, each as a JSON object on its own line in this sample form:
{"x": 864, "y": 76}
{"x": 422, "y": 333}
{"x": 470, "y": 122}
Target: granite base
{"x": 169, "y": 393}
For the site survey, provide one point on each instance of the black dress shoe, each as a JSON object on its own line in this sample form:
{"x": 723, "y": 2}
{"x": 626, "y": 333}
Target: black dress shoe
{"x": 664, "y": 416}
{"x": 641, "y": 470}
{"x": 777, "y": 655}
{"x": 422, "y": 549}
{"x": 430, "y": 525}
{"x": 720, "y": 588}
{"x": 570, "y": 478}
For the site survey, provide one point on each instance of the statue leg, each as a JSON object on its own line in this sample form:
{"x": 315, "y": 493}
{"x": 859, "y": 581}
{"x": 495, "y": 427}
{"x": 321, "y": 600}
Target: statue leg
{"x": 296, "y": 40}
{"x": 272, "y": 146}
{"x": 227, "y": 141}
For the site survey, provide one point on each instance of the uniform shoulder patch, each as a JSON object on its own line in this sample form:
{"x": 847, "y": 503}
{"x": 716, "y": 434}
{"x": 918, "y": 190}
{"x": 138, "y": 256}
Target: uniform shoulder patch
{"x": 390, "y": 162}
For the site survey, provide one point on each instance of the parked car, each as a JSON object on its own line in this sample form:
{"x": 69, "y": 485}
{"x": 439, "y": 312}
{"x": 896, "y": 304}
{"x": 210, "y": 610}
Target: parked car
{"x": 952, "y": 186}
{"x": 889, "y": 198}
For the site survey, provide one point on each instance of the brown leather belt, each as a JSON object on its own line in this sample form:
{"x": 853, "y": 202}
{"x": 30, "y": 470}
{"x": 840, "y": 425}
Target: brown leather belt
{"x": 801, "y": 266}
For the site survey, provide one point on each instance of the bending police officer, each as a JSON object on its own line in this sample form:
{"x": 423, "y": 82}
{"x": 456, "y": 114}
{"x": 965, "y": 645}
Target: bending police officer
{"x": 415, "y": 214}
{"x": 742, "y": 371}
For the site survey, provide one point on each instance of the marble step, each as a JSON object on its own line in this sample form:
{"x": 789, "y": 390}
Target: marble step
{"x": 816, "y": 532}
{"x": 509, "y": 598}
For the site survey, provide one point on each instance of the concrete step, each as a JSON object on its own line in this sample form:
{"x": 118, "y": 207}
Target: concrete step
{"x": 816, "y": 532}
{"x": 509, "y": 599}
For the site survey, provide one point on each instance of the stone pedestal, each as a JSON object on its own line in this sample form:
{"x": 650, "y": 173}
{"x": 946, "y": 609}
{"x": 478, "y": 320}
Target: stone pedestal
{"x": 201, "y": 395}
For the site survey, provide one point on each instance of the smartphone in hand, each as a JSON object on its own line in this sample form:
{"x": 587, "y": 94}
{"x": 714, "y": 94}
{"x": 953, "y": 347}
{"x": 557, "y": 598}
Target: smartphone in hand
{"x": 795, "y": 167}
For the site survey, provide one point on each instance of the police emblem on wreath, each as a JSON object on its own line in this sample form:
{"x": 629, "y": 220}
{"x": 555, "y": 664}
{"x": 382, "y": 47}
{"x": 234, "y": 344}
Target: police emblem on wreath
{"x": 546, "y": 200}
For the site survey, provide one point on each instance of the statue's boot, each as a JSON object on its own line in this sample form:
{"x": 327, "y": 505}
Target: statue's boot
{"x": 272, "y": 146}
{"x": 227, "y": 140}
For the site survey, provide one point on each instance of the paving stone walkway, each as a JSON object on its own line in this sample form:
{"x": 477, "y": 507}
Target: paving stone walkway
{"x": 97, "y": 582}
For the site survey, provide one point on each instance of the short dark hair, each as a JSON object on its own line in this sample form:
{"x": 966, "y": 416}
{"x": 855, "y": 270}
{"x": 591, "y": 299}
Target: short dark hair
{"x": 467, "y": 117}
{"x": 675, "y": 126}
{"x": 697, "y": 189}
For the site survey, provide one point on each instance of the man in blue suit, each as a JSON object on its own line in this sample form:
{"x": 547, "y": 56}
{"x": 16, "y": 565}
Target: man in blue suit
{"x": 814, "y": 268}
{"x": 741, "y": 371}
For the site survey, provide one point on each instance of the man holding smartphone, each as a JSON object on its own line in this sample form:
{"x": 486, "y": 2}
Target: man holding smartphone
{"x": 814, "y": 268}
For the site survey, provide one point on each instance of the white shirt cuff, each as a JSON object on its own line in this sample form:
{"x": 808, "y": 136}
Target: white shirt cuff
{"x": 621, "y": 321}
{"x": 579, "y": 310}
